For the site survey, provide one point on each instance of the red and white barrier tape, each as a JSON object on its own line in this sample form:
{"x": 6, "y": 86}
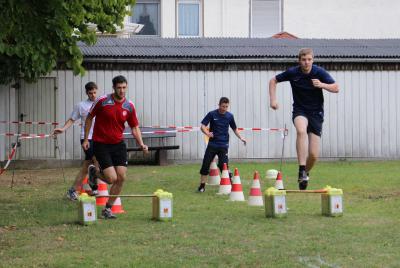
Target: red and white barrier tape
{"x": 10, "y": 156}
{"x": 26, "y": 135}
{"x": 194, "y": 129}
{"x": 165, "y": 131}
{"x": 30, "y": 123}
{"x": 176, "y": 130}
{"x": 155, "y": 126}
{"x": 173, "y": 127}
{"x": 239, "y": 128}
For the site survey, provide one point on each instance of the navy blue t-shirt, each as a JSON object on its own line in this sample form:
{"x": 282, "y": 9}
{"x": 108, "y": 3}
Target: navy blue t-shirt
{"x": 306, "y": 97}
{"x": 219, "y": 126}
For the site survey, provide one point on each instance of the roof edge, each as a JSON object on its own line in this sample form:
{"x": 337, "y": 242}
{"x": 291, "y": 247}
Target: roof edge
{"x": 236, "y": 60}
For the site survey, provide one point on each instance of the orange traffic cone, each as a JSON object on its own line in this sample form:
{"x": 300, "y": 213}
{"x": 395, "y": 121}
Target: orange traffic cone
{"x": 279, "y": 182}
{"x": 85, "y": 188}
{"x": 102, "y": 190}
{"x": 213, "y": 177}
{"x": 237, "y": 191}
{"x": 117, "y": 206}
{"x": 255, "y": 196}
{"x": 225, "y": 183}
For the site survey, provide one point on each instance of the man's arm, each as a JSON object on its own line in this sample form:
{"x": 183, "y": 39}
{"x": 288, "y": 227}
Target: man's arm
{"x": 206, "y": 132}
{"x": 138, "y": 137}
{"x": 88, "y": 125}
{"x": 333, "y": 88}
{"x": 272, "y": 94}
{"x": 67, "y": 125}
{"x": 237, "y": 133}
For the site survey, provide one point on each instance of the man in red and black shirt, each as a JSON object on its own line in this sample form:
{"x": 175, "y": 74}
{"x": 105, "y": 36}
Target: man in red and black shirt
{"x": 111, "y": 112}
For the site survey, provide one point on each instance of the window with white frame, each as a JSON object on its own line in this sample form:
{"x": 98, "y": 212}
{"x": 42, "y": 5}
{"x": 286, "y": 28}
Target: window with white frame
{"x": 189, "y": 18}
{"x": 147, "y": 12}
{"x": 266, "y": 16}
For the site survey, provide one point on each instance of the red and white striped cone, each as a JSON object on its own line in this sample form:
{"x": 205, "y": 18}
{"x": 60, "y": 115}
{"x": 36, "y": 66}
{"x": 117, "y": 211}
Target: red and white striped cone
{"x": 279, "y": 182}
{"x": 102, "y": 190}
{"x": 225, "y": 184}
{"x": 214, "y": 177}
{"x": 255, "y": 196}
{"x": 117, "y": 207}
{"x": 237, "y": 190}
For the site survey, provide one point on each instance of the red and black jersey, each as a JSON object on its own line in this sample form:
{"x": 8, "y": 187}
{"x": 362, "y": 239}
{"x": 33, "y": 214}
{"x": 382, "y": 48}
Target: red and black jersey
{"x": 111, "y": 116}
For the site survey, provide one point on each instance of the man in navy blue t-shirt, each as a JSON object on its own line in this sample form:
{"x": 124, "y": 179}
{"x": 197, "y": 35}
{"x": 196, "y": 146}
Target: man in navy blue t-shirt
{"x": 307, "y": 82}
{"x": 220, "y": 120}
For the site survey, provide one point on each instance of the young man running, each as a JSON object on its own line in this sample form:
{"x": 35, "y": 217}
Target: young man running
{"x": 81, "y": 111}
{"x": 220, "y": 120}
{"x": 307, "y": 82}
{"x": 111, "y": 112}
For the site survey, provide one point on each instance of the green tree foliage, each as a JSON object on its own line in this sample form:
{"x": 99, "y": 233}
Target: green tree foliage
{"x": 36, "y": 34}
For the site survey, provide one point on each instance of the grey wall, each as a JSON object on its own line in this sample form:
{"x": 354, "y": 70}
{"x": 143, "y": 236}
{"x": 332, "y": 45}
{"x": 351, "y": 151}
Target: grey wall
{"x": 360, "y": 121}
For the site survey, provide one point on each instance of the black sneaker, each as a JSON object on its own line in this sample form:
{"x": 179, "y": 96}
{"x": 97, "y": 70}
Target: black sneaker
{"x": 92, "y": 178}
{"x": 202, "y": 188}
{"x": 106, "y": 213}
{"x": 303, "y": 180}
{"x": 72, "y": 194}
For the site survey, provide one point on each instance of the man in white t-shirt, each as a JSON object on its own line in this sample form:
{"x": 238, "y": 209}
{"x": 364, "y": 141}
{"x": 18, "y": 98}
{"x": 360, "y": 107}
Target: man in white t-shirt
{"x": 81, "y": 110}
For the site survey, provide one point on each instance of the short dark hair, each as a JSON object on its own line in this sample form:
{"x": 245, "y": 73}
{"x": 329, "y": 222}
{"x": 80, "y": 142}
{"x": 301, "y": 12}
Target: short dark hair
{"x": 119, "y": 80}
{"x": 223, "y": 100}
{"x": 90, "y": 86}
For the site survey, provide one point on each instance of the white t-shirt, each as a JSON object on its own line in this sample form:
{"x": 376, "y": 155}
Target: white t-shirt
{"x": 81, "y": 111}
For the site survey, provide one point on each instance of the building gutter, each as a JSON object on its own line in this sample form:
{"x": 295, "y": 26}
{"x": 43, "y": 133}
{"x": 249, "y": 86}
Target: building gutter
{"x": 241, "y": 60}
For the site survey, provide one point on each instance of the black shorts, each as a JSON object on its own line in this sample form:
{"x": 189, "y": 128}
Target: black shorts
{"x": 315, "y": 120}
{"x": 89, "y": 152}
{"x": 209, "y": 155}
{"x": 110, "y": 155}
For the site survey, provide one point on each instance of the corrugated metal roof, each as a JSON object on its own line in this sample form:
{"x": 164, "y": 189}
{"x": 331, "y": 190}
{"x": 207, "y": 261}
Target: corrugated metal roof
{"x": 239, "y": 48}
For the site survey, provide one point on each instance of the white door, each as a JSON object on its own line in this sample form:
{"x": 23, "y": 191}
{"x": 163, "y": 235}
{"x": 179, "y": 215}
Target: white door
{"x": 37, "y": 103}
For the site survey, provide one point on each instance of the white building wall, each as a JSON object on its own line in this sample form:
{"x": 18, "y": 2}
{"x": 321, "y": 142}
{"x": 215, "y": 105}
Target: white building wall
{"x": 342, "y": 18}
{"x": 168, "y": 18}
{"x": 235, "y": 18}
{"x": 220, "y": 18}
{"x": 305, "y": 19}
{"x": 213, "y": 18}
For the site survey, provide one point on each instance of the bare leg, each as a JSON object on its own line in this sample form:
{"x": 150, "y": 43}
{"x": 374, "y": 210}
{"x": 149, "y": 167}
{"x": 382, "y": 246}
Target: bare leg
{"x": 108, "y": 175}
{"x": 203, "y": 178}
{"x": 300, "y": 123}
{"x": 118, "y": 183}
{"x": 84, "y": 172}
{"x": 314, "y": 142}
{"x": 81, "y": 174}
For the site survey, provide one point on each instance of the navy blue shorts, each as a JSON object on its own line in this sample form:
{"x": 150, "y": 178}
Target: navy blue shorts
{"x": 209, "y": 156}
{"x": 89, "y": 152}
{"x": 315, "y": 120}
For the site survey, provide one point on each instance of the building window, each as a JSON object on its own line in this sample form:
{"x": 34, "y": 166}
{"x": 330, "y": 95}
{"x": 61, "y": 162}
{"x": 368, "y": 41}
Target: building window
{"x": 147, "y": 12}
{"x": 266, "y": 16}
{"x": 189, "y": 18}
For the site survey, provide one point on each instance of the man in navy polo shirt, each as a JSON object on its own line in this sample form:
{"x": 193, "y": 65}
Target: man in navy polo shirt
{"x": 307, "y": 81}
{"x": 220, "y": 120}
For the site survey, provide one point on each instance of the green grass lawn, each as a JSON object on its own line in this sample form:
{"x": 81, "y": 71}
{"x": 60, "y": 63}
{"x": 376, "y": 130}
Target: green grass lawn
{"x": 38, "y": 226}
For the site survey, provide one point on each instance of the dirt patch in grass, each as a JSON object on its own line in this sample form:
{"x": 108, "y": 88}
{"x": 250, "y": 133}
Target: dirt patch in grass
{"x": 35, "y": 177}
{"x": 383, "y": 196}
